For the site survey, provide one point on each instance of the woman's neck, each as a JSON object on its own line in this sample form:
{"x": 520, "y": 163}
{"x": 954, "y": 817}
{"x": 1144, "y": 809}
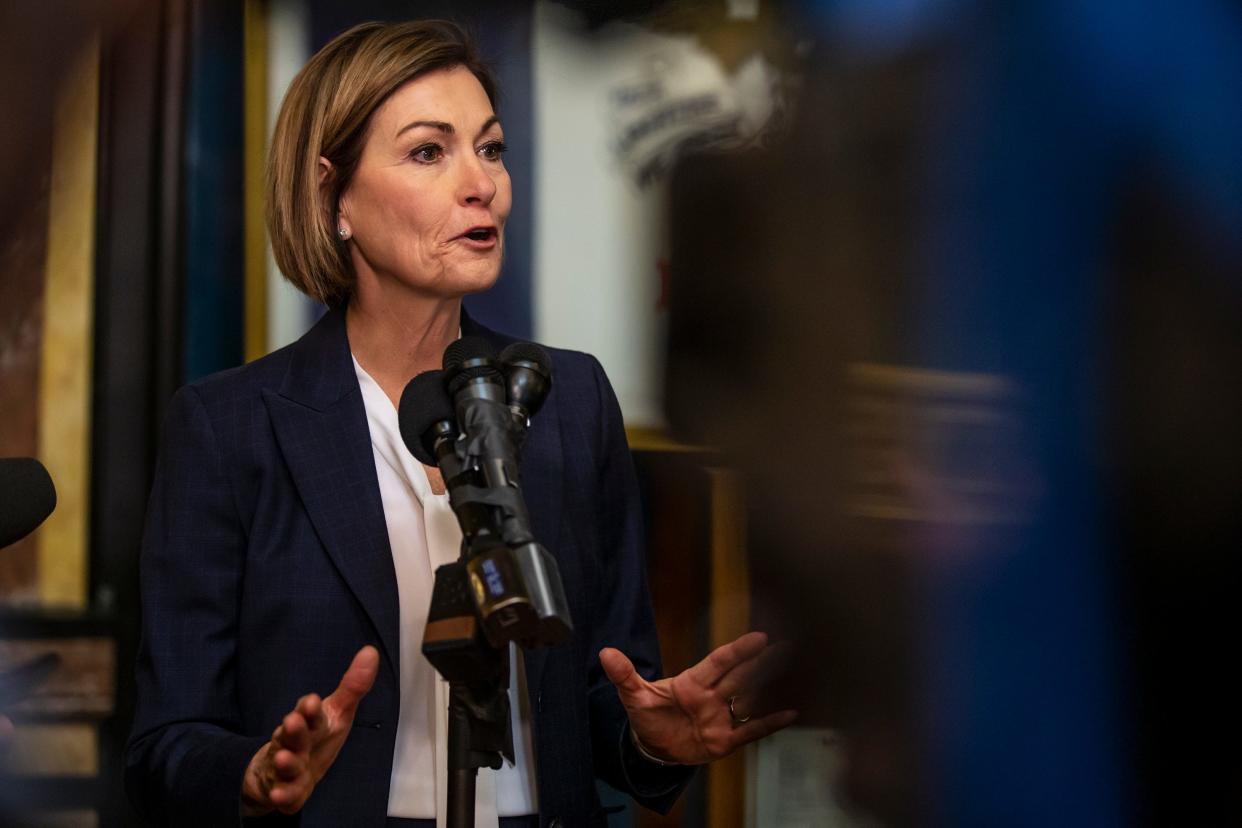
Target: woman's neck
{"x": 396, "y": 338}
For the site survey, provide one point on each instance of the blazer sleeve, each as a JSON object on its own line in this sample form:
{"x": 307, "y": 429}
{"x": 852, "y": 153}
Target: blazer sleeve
{"x": 185, "y": 758}
{"x": 623, "y": 618}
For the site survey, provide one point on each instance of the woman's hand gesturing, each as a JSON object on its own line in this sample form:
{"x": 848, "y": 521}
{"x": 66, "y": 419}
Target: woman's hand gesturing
{"x": 284, "y": 772}
{"x": 700, "y": 714}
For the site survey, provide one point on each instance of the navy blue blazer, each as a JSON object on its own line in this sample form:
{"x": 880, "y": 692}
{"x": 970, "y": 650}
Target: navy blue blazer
{"x": 266, "y": 565}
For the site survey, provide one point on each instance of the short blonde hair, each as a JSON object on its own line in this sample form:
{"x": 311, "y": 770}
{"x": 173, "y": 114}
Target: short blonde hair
{"x": 326, "y": 113}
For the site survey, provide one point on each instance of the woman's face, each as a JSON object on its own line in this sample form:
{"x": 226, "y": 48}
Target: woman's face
{"x": 428, "y": 202}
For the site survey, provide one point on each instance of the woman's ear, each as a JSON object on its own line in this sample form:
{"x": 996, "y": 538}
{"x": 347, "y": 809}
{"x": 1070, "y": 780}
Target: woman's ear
{"x": 326, "y": 172}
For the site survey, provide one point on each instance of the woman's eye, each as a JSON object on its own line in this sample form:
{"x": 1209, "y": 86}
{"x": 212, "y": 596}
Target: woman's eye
{"x": 427, "y": 153}
{"x": 492, "y": 150}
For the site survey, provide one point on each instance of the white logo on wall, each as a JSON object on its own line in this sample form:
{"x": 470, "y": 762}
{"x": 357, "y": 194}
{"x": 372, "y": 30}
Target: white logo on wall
{"x": 681, "y": 100}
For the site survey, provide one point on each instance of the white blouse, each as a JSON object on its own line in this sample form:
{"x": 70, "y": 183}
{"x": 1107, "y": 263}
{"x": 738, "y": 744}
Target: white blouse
{"x": 424, "y": 534}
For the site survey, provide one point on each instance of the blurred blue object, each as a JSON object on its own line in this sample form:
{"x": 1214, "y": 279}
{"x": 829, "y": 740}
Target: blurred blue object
{"x": 1045, "y": 124}
{"x": 1053, "y": 115}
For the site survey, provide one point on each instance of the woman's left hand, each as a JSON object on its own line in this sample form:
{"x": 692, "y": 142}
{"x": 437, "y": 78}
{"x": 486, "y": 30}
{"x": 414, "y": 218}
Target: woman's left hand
{"x": 698, "y": 715}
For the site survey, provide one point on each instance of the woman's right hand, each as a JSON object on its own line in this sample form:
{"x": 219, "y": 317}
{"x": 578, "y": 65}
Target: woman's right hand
{"x": 284, "y": 772}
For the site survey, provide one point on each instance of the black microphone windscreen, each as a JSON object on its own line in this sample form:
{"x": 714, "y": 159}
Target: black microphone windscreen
{"x": 424, "y": 402}
{"x": 27, "y": 497}
{"x": 528, "y": 376}
{"x": 490, "y": 372}
{"x": 464, "y": 350}
{"x": 527, "y": 352}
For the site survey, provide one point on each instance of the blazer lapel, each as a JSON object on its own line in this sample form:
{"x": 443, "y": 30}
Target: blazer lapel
{"x": 541, "y": 483}
{"x": 321, "y": 427}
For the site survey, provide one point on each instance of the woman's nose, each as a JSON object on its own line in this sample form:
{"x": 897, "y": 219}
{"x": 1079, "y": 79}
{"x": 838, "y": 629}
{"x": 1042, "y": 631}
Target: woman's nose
{"x": 477, "y": 186}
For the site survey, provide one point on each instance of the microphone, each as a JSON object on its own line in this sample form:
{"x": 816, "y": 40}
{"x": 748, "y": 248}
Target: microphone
{"x": 425, "y": 415}
{"x": 429, "y": 430}
{"x": 517, "y": 586}
{"x": 470, "y": 420}
{"x": 27, "y": 495}
{"x": 528, "y": 371}
{"x": 475, "y": 382}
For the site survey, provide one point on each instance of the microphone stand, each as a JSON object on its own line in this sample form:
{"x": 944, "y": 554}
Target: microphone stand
{"x": 471, "y": 745}
{"x": 479, "y": 728}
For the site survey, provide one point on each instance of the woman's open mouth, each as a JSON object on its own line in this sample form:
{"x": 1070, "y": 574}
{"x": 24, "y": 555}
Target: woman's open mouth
{"x": 479, "y": 238}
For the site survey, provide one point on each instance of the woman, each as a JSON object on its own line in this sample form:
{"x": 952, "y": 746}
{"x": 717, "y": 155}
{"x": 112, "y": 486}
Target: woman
{"x": 289, "y": 535}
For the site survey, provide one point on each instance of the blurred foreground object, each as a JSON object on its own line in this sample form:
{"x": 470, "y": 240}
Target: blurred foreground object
{"x": 27, "y": 497}
{"x": 972, "y": 328}
{"x": 64, "y": 64}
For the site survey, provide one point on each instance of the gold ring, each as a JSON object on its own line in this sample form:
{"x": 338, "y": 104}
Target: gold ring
{"x": 733, "y": 713}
